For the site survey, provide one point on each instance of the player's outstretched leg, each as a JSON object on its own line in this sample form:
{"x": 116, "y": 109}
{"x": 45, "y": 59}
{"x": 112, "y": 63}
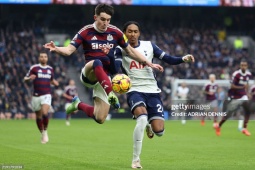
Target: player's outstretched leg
{"x": 73, "y": 106}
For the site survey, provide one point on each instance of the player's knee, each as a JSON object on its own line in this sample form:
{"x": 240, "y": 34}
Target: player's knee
{"x": 142, "y": 120}
{"x": 100, "y": 119}
{"x": 97, "y": 63}
{"x": 160, "y": 133}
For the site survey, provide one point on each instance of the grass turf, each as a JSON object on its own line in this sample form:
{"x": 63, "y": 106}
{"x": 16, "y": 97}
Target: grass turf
{"x": 90, "y": 146}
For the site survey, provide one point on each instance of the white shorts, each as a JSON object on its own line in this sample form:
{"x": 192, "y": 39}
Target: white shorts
{"x": 98, "y": 90}
{"x": 38, "y": 101}
{"x": 213, "y": 104}
{"x": 236, "y": 103}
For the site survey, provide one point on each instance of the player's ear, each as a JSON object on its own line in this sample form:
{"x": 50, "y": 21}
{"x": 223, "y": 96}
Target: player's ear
{"x": 95, "y": 17}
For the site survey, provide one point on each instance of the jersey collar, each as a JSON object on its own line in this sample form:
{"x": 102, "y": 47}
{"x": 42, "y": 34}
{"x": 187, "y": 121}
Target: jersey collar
{"x": 95, "y": 27}
{"x": 138, "y": 44}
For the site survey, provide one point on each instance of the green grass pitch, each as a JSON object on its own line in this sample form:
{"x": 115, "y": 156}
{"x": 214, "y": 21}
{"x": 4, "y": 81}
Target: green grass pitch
{"x": 87, "y": 145}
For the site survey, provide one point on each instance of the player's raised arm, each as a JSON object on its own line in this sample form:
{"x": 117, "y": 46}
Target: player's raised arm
{"x": 134, "y": 54}
{"x": 66, "y": 51}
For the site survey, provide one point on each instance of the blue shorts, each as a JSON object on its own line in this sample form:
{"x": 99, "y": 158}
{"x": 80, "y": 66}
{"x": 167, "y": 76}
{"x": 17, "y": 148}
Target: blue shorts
{"x": 151, "y": 101}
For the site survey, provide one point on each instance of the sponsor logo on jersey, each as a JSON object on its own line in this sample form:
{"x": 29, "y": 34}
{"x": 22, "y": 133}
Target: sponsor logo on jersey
{"x": 41, "y": 75}
{"x": 100, "y": 46}
{"x": 136, "y": 65}
{"x": 109, "y": 37}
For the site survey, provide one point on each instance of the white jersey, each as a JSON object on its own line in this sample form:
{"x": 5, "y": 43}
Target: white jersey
{"x": 142, "y": 77}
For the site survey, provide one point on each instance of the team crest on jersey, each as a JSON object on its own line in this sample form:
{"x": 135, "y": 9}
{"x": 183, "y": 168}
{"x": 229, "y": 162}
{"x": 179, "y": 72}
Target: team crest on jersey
{"x": 40, "y": 71}
{"x": 109, "y": 37}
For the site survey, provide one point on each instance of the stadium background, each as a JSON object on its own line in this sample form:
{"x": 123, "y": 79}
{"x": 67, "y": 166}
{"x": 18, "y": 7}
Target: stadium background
{"x": 202, "y": 30}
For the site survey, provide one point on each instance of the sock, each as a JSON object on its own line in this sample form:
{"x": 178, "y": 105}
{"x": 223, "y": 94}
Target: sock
{"x": 138, "y": 134}
{"x": 240, "y": 124}
{"x": 102, "y": 76}
{"x": 39, "y": 123}
{"x": 89, "y": 110}
{"x": 221, "y": 122}
{"x": 45, "y": 121}
{"x": 246, "y": 120}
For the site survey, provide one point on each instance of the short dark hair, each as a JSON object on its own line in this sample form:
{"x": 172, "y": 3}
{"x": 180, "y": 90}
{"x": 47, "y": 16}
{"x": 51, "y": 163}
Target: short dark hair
{"x": 108, "y": 9}
{"x": 129, "y": 23}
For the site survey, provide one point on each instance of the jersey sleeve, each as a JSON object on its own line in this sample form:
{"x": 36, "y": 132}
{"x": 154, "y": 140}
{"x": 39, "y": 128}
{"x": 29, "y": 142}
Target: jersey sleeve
{"x": 160, "y": 54}
{"x": 118, "y": 58}
{"x": 31, "y": 71}
{"x": 78, "y": 38}
{"x": 122, "y": 39}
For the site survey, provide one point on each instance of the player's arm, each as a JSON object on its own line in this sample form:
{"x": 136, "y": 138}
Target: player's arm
{"x": 134, "y": 54}
{"x": 65, "y": 51}
{"x": 171, "y": 60}
{"x": 67, "y": 96}
{"x": 29, "y": 78}
{"x": 54, "y": 82}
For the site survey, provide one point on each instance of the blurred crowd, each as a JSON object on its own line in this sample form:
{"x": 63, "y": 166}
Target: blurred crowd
{"x": 19, "y": 50}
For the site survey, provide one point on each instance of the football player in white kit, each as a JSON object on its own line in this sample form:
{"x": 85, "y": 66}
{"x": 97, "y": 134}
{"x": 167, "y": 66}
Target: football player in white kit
{"x": 143, "y": 98}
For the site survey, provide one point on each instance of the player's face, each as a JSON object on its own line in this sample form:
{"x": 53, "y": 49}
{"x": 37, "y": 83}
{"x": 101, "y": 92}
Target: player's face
{"x": 71, "y": 82}
{"x": 102, "y": 21}
{"x": 212, "y": 78}
{"x": 43, "y": 58}
{"x": 243, "y": 66}
{"x": 133, "y": 34}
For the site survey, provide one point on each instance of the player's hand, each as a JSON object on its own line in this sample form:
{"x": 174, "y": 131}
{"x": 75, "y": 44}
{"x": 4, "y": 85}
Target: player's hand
{"x": 156, "y": 66}
{"x": 51, "y": 46}
{"x": 32, "y": 77}
{"x": 105, "y": 50}
{"x": 188, "y": 58}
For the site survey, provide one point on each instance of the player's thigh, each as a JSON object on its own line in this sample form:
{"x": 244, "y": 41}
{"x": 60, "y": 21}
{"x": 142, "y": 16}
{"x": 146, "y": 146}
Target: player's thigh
{"x": 45, "y": 103}
{"x": 36, "y": 103}
{"x": 101, "y": 108}
{"x": 139, "y": 110}
{"x": 89, "y": 72}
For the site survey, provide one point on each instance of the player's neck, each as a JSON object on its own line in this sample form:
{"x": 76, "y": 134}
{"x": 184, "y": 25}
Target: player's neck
{"x": 134, "y": 45}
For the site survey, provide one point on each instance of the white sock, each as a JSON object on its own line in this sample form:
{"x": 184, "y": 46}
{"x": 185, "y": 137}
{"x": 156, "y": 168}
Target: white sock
{"x": 240, "y": 124}
{"x": 138, "y": 134}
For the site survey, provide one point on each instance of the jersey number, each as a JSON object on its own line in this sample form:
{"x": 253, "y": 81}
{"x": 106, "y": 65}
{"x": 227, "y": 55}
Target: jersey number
{"x": 160, "y": 108}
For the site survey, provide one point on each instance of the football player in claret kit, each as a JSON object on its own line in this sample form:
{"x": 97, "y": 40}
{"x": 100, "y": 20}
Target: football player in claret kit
{"x": 143, "y": 96}
{"x": 69, "y": 93}
{"x": 210, "y": 90}
{"x": 95, "y": 73}
{"x": 238, "y": 97}
{"x": 42, "y": 76}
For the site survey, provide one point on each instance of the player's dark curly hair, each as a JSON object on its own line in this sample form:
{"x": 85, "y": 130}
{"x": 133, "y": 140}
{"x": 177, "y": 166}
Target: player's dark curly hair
{"x": 108, "y": 9}
{"x": 129, "y": 23}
